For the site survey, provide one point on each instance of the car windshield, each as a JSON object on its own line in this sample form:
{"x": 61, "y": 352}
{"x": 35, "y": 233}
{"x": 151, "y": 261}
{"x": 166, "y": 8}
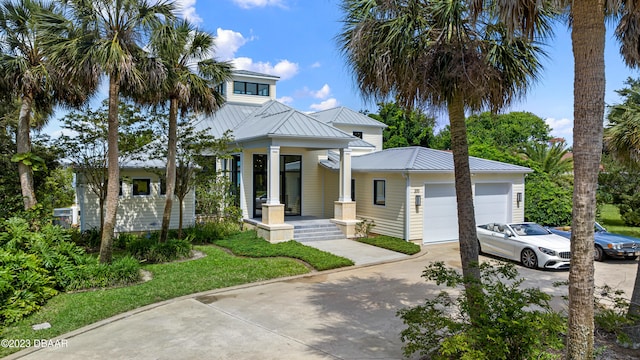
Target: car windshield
{"x": 529, "y": 229}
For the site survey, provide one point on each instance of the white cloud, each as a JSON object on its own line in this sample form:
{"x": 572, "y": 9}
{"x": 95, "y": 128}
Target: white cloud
{"x": 187, "y": 10}
{"x": 325, "y": 105}
{"x": 248, "y": 4}
{"x": 285, "y": 69}
{"x": 316, "y": 65}
{"x": 562, "y": 128}
{"x": 228, "y": 42}
{"x": 323, "y": 93}
{"x": 288, "y": 100}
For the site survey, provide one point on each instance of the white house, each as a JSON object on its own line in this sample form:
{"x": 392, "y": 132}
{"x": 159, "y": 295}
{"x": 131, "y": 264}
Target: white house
{"x": 331, "y": 165}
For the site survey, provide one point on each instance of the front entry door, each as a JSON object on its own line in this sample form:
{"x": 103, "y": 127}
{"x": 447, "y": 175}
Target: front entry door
{"x": 290, "y": 184}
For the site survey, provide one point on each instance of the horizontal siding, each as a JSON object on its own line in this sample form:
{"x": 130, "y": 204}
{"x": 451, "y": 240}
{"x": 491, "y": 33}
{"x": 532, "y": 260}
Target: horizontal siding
{"x": 370, "y": 134}
{"x": 518, "y": 209}
{"x": 388, "y": 219}
{"x": 138, "y": 213}
{"x": 331, "y": 192}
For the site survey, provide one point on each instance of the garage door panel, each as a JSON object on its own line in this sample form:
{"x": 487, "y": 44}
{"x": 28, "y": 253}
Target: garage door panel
{"x": 440, "y": 213}
{"x": 491, "y": 203}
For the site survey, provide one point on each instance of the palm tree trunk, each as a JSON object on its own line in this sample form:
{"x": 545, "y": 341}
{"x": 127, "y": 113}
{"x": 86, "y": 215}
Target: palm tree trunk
{"x": 171, "y": 169}
{"x": 23, "y": 144}
{"x": 467, "y": 235}
{"x": 113, "y": 173}
{"x": 588, "y": 38}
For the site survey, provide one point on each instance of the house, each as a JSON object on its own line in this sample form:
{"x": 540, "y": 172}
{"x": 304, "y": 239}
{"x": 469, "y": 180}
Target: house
{"x": 331, "y": 165}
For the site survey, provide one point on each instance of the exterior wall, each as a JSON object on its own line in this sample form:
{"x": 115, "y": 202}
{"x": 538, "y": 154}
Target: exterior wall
{"x": 136, "y": 213}
{"x": 249, "y": 99}
{"x": 312, "y": 194}
{"x": 370, "y": 134}
{"x": 331, "y": 191}
{"x": 390, "y": 218}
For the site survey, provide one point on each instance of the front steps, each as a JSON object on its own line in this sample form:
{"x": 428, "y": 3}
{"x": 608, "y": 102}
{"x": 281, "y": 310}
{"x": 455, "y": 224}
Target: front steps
{"x": 317, "y": 231}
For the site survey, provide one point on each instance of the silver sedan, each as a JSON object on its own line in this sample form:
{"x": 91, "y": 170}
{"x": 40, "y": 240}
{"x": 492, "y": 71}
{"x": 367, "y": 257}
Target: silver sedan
{"x": 529, "y": 243}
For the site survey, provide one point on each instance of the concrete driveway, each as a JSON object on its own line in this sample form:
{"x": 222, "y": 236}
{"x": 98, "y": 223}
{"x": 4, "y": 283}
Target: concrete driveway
{"x": 348, "y": 314}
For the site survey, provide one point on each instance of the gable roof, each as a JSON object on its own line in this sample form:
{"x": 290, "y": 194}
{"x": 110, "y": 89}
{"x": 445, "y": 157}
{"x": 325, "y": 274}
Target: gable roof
{"x": 419, "y": 159}
{"x": 345, "y": 116}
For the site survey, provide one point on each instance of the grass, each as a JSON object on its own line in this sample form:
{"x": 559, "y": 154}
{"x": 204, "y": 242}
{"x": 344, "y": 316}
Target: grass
{"x": 610, "y": 219}
{"x": 392, "y": 243}
{"x": 247, "y": 244}
{"x": 218, "y": 269}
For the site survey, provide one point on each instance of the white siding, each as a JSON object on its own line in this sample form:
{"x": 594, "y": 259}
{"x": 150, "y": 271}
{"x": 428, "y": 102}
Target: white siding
{"x": 370, "y": 134}
{"x": 249, "y": 99}
{"x": 388, "y": 219}
{"x": 136, "y": 213}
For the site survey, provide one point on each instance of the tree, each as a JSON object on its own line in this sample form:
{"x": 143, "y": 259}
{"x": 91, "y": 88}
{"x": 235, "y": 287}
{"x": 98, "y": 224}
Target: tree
{"x": 412, "y": 128}
{"x": 622, "y": 141}
{"x": 507, "y": 131}
{"x": 193, "y": 168}
{"x": 190, "y": 85}
{"x": 29, "y": 77}
{"x": 551, "y": 158}
{"x": 86, "y": 148}
{"x": 106, "y": 37}
{"x": 430, "y": 52}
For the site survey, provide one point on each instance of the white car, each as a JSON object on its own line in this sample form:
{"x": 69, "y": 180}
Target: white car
{"x": 530, "y": 243}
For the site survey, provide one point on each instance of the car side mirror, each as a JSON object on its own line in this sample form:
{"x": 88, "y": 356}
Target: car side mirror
{"x": 508, "y": 233}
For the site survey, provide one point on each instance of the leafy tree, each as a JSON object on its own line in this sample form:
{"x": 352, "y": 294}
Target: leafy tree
{"x": 431, "y": 53}
{"x": 548, "y": 201}
{"x": 196, "y": 155}
{"x": 190, "y": 85}
{"x": 507, "y": 131}
{"x": 28, "y": 76}
{"x": 87, "y": 145}
{"x": 412, "y": 128}
{"x": 106, "y": 37}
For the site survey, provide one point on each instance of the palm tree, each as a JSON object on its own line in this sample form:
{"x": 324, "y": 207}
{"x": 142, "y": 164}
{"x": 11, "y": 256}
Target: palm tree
{"x": 552, "y": 158}
{"x": 28, "y": 77}
{"x": 431, "y": 53}
{"x": 190, "y": 85}
{"x": 106, "y": 37}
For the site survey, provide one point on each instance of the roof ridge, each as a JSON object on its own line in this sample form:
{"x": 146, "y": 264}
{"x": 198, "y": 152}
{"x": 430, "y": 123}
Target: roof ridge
{"x": 414, "y": 156}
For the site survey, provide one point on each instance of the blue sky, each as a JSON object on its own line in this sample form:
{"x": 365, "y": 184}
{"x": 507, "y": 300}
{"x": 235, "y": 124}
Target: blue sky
{"x": 295, "y": 39}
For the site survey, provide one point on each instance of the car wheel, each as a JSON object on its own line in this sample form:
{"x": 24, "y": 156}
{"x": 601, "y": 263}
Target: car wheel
{"x": 598, "y": 254}
{"x": 529, "y": 259}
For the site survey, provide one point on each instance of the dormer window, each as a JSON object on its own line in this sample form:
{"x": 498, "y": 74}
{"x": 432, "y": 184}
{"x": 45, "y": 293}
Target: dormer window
{"x": 249, "y": 88}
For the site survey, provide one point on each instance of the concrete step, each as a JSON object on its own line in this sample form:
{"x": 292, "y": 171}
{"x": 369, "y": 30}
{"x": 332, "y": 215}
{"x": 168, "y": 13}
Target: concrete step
{"x": 317, "y": 232}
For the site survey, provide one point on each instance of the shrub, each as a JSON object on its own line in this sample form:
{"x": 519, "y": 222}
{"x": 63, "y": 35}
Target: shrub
{"x": 611, "y": 313}
{"x": 24, "y": 285}
{"x": 168, "y": 251}
{"x": 123, "y": 271}
{"x": 208, "y": 232}
{"x": 363, "y": 228}
{"x": 514, "y": 324}
{"x": 124, "y": 239}
{"x": 140, "y": 247}
{"x": 548, "y": 202}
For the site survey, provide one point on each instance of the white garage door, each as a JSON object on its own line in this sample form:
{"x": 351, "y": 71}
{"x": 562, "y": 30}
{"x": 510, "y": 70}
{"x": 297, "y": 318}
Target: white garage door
{"x": 491, "y": 203}
{"x": 440, "y": 213}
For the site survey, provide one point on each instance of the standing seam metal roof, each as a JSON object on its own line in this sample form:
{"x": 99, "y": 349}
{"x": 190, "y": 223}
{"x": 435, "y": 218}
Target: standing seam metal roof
{"x": 346, "y": 116}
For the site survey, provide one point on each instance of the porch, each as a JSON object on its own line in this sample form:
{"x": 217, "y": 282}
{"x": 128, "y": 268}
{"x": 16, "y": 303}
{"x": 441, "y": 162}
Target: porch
{"x": 300, "y": 228}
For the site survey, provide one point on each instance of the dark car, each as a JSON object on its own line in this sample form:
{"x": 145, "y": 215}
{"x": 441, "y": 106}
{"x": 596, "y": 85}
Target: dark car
{"x": 607, "y": 244}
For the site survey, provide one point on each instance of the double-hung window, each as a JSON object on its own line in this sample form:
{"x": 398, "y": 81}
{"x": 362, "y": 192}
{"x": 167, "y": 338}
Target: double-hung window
{"x": 379, "y": 192}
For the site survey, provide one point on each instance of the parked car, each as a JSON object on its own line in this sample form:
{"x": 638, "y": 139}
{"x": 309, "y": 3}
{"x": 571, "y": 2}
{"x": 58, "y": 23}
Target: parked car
{"x": 530, "y": 243}
{"x": 607, "y": 244}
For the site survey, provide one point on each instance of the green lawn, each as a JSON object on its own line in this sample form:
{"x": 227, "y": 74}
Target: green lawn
{"x": 392, "y": 243}
{"x": 610, "y": 219}
{"x": 218, "y": 269}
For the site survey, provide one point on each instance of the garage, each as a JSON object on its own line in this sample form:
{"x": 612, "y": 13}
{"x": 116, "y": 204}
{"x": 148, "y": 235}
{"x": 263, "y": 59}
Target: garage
{"x": 491, "y": 202}
{"x": 440, "y": 213}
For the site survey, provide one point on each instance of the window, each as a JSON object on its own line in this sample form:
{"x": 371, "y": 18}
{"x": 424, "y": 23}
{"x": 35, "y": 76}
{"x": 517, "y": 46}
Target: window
{"x": 221, "y": 88}
{"x": 141, "y": 187}
{"x": 357, "y": 134}
{"x": 249, "y": 88}
{"x": 163, "y": 186}
{"x": 353, "y": 189}
{"x": 379, "y": 192}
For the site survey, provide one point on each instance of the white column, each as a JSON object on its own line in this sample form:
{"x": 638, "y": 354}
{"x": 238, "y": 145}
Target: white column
{"x": 345, "y": 175}
{"x": 273, "y": 175}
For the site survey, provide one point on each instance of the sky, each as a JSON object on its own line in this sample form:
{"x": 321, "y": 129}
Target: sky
{"x": 296, "y": 40}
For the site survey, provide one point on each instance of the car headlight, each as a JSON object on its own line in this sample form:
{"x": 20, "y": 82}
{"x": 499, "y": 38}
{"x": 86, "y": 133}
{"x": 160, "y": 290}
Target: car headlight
{"x": 615, "y": 246}
{"x": 547, "y": 251}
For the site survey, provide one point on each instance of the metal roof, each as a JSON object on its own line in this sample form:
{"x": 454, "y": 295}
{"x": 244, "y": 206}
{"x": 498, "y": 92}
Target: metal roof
{"x": 254, "y": 74}
{"x": 421, "y": 159}
{"x": 228, "y": 117}
{"x": 346, "y": 116}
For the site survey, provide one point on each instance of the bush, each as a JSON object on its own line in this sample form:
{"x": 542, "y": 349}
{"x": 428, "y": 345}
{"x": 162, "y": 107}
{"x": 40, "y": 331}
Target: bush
{"x": 89, "y": 239}
{"x": 123, "y": 271}
{"x": 547, "y": 202}
{"x": 514, "y": 324}
{"x": 24, "y": 285}
{"x": 208, "y": 232}
{"x": 392, "y": 243}
{"x": 150, "y": 250}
